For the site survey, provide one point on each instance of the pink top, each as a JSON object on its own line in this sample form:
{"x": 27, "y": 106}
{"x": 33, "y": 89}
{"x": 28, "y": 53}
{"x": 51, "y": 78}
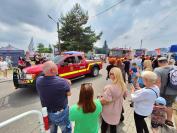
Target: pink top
{"x": 112, "y": 111}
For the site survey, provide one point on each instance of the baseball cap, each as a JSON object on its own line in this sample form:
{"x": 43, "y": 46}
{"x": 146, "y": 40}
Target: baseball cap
{"x": 162, "y": 59}
{"x": 160, "y": 100}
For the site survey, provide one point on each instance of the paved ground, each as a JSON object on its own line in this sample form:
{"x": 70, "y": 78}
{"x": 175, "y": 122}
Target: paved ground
{"x": 9, "y": 76}
{"x": 14, "y": 102}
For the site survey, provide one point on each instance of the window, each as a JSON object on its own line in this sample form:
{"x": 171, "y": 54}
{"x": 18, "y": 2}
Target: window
{"x": 70, "y": 60}
{"x": 79, "y": 59}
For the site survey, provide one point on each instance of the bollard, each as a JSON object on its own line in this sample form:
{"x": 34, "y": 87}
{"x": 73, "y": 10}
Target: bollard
{"x": 45, "y": 119}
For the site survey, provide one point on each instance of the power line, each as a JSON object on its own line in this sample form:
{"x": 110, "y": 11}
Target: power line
{"x": 161, "y": 21}
{"x": 107, "y": 9}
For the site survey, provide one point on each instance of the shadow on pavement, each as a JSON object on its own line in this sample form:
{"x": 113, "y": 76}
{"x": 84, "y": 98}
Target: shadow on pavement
{"x": 21, "y": 97}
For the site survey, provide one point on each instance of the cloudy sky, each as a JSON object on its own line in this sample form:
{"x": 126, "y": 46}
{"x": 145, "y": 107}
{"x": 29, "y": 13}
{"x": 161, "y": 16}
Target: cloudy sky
{"x": 152, "y": 21}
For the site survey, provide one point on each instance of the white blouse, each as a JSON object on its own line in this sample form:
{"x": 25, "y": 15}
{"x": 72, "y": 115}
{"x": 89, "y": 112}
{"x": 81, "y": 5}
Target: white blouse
{"x": 144, "y": 100}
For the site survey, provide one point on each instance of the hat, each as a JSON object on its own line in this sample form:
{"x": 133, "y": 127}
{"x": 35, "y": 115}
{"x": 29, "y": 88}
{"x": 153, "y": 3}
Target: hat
{"x": 162, "y": 59}
{"x": 172, "y": 60}
{"x": 160, "y": 100}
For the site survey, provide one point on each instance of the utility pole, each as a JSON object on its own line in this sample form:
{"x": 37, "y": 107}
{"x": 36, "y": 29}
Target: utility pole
{"x": 141, "y": 44}
{"x": 58, "y": 31}
{"x": 59, "y": 45}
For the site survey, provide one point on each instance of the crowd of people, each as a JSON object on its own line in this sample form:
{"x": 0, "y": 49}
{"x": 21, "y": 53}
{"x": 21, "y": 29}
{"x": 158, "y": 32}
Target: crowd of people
{"x": 26, "y": 62}
{"x": 5, "y": 64}
{"x": 151, "y": 94}
{"x": 161, "y": 73}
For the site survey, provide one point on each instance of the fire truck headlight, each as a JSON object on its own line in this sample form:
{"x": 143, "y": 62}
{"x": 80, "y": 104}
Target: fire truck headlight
{"x": 30, "y": 76}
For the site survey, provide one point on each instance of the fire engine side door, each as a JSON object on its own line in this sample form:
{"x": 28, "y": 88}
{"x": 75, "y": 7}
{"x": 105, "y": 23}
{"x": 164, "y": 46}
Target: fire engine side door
{"x": 69, "y": 68}
{"x": 81, "y": 65}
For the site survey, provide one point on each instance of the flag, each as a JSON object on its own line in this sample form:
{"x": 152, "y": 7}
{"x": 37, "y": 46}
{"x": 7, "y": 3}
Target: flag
{"x": 31, "y": 47}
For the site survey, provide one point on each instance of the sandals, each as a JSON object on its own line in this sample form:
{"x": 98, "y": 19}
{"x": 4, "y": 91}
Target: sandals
{"x": 169, "y": 123}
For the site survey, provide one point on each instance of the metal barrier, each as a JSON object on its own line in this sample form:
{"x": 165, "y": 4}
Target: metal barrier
{"x": 42, "y": 117}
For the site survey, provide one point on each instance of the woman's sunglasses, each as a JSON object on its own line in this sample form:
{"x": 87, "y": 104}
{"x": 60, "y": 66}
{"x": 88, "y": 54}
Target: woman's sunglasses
{"x": 86, "y": 84}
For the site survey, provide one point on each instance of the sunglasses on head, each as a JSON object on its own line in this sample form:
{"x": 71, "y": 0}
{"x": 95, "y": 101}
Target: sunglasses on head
{"x": 159, "y": 104}
{"x": 86, "y": 84}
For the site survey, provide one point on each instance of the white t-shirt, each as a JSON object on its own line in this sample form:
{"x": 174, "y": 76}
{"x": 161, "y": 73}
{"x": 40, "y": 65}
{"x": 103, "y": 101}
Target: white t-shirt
{"x": 144, "y": 100}
{"x": 4, "y": 65}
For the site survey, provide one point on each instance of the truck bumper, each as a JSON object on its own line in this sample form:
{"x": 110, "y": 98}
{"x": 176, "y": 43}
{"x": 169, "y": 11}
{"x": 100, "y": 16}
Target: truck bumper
{"x": 18, "y": 83}
{"x": 22, "y": 83}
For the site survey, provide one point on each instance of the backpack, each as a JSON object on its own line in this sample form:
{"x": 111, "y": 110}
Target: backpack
{"x": 172, "y": 78}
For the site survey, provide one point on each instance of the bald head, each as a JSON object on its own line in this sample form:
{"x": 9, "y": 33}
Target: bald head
{"x": 50, "y": 68}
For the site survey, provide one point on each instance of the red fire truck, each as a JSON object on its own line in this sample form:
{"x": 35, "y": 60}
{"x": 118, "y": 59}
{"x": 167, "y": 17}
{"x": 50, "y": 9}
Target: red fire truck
{"x": 120, "y": 53}
{"x": 70, "y": 65}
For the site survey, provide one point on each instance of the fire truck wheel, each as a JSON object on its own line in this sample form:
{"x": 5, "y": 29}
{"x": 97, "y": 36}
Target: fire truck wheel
{"x": 95, "y": 71}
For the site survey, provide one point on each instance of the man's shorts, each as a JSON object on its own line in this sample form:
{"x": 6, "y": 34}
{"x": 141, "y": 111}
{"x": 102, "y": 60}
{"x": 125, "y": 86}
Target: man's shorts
{"x": 170, "y": 99}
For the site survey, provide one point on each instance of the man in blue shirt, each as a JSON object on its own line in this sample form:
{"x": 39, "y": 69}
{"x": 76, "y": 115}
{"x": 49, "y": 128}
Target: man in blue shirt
{"x": 53, "y": 92}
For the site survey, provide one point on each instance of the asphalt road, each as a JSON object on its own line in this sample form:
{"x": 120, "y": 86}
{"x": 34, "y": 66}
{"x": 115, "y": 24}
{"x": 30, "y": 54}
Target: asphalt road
{"x": 14, "y": 102}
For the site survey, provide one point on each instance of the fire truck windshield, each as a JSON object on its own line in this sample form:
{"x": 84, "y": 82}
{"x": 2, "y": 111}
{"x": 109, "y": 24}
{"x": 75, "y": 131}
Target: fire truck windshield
{"x": 57, "y": 59}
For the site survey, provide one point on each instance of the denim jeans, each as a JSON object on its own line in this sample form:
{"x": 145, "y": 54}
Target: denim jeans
{"x": 61, "y": 119}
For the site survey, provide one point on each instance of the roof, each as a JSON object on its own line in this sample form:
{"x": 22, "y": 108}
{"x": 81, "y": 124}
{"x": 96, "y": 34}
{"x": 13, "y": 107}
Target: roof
{"x": 120, "y": 49}
{"x": 9, "y": 47}
{"x": 73, "y": 52}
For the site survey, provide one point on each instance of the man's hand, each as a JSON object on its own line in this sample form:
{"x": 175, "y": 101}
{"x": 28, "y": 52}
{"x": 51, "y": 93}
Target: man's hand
{"x": 69, "y": 81}
{"x": 158, "y": 82}
{"x": 68, "y": 93}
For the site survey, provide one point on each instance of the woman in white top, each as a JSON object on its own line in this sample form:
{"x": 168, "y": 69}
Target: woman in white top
{"x": 144, "y": 100}
{"x": 4, "y": 67}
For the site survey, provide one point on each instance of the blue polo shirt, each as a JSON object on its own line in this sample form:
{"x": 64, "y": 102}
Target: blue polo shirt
{"x": 52, "y": 91}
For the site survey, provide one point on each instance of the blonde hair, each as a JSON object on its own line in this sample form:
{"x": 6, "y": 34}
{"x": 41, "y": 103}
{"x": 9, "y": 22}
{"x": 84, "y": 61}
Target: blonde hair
{"x": 118, "y": 78}
{"x": 150, "y": 76}
{"x": 148, "y": 65}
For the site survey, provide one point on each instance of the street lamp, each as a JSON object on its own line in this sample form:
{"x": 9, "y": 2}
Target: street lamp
{"x": 59, "y": 45}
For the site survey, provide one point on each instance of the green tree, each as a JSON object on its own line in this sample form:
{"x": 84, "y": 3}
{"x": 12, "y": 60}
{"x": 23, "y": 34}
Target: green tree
{"x": 74, "y": 33}
{"x": 105, "y": 46}
{"x": 40, "y": 48}
{"x": 50, "y": 50}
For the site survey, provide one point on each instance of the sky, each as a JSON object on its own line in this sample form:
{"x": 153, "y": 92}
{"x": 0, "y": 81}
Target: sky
{"x": 125, "y": 25}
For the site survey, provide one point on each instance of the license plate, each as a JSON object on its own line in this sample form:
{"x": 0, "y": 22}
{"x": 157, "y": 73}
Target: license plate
{"x": 21, "y": 81}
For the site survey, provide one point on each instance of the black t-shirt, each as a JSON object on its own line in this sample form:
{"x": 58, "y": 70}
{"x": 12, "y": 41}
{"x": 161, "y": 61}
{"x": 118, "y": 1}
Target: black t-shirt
{"x": 127, "y": 65}
{"x": 53, "y": 92}
{"x": 108, "y": 68}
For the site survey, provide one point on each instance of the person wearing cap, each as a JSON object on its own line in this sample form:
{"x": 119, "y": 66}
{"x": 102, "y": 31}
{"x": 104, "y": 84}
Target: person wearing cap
{"x": 158, "y": 115}
{"x": 168, "y": 93}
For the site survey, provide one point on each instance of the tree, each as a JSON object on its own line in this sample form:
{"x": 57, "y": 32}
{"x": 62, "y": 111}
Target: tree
{"x": 40, "y": 48}
{"x": 105, "y": 46}
{"x": 74, "y": 33}
{"x": 50, "y": 50}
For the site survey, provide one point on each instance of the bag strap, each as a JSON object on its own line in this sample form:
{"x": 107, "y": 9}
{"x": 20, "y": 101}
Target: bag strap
{"x": 155, "y": 93}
